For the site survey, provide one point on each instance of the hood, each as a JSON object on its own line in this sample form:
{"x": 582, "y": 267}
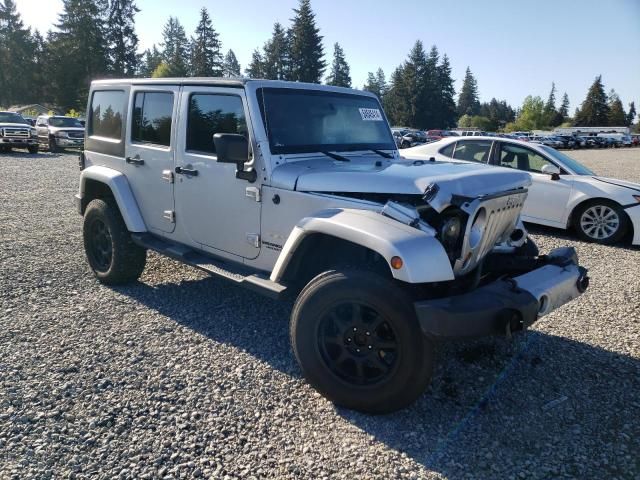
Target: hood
{"x": 398, "y": 177}
{"x": 65, "y": 129}
{"x": 619, "y": 183}
{"x": 14, "y": 125}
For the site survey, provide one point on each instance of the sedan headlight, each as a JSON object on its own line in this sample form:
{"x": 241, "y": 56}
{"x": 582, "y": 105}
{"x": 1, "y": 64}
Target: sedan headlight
{"x": 62, "y": 134}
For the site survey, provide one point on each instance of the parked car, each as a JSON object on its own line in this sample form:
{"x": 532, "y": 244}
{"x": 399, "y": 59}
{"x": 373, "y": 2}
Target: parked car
{"x": 15, "y": 132}
{"x": 564, "y": 194}
{"x": 568, "y": 141}
{"x": 405, "y": 137}
{"x": 635, "y": 139}
{"x": 55, "y": 132}
{"x": 298, "y": 189}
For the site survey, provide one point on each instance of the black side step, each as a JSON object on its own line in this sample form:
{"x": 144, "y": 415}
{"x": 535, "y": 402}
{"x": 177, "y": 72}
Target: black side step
{"x": 236, "y": 273}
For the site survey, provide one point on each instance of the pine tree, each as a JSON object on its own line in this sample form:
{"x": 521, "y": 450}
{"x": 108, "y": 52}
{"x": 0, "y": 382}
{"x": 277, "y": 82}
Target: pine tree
{"x": 468, "y": 103}
{"x": 564, "y": 107}
{"x": 39, "y": 86}
{"x": 231, "y": 66}
{"x": 206, "y": 58}
{"x": 594, "y": 111}
{"x": 617, "y": 116}
{"x": 631, "y": 115}
{"x": 78, "y": 51}
{"x": 256, "y": 67}
{"x": 150, "y": 61}
{"x": 340, "y": 75}
{"x": 552, "y": 116}
{"x": 175, "y": 47}
{"x": 447, "y": 92}
{"x": 16, "y": 60}
{"x": 276, "y": 55}
{"x": 394, "y": 103}
{"x": 122, "y": 39}
{"x": 376, "y": 83}
{"x": 306, "y": 52}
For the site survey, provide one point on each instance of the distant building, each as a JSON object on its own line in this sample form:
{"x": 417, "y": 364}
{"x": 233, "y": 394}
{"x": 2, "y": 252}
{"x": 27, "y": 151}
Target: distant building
{"x": 591, "y": 131}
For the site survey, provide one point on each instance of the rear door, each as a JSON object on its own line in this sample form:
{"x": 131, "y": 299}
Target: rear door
{"x": 149, "y": 153}
{"x": 547, "y": 199}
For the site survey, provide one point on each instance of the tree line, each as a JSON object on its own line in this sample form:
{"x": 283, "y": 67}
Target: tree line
{"x": 97, "y": 39}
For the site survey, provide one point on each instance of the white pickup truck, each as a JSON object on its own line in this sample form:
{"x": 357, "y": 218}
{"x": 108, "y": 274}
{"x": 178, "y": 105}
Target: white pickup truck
{"x": 298, "y": 189}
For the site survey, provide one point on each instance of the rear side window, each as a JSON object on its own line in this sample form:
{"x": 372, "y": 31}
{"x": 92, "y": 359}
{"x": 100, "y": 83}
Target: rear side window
{"x": 473, "y": 150}
{"x": 151, "y": 121}
{"x": 448, "y": 150}
{"x": 210, "y": 114}
{"x": 107, "y": 111}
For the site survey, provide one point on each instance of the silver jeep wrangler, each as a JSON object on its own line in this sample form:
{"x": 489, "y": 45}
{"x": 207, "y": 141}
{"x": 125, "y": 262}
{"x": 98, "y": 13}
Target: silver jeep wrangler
{"x": 297, "y": 189}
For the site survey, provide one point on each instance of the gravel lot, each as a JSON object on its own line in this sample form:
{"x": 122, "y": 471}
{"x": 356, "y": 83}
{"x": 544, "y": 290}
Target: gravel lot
{"x": 182, "y": 376}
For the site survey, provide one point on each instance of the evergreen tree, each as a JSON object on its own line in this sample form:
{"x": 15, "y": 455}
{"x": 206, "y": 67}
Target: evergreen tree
{"x": 340, "y": 75}
{"x": 553, "y": 117}
{"x": 122, "y": 39}
{"x": 446, "y": 91}
{"x": 631, "y": 115}
{"x": 256, "y": 67}
{"x": 498, "y": 114}
{"x": 594, "y": 111}
{"x": 564, "y": 107}
{"x": 306, "y": 52}
{"x": 617, "y": 115}
{"x": 206, "y": 58}
{"x": 231, "y": 66}
{"x": 175, "y": 47}
{"x": 276, "y": 55}
{"x": 40, "y": 87}
{"x": 468, "y": 103}
{"x": 394, "y": 102}
{"x": 376, "y": 83}
{"x": 78, "y": 51}
{"x": 150, "y": 61}
{"x": 16, "y": 60}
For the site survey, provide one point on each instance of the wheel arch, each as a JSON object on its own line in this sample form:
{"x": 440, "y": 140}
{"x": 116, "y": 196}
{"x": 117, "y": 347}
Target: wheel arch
{"x": 103, "y": 182}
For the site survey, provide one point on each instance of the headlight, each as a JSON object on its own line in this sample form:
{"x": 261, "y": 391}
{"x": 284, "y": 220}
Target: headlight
{"x": 62, "y": 134}
{"x": 450, "y": 230}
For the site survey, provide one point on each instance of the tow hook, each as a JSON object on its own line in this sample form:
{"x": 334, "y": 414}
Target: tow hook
{"x": 583, "y": 280}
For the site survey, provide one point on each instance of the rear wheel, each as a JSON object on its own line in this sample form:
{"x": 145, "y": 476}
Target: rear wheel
{"x": 111, "y": 253}
{"x": 358, "y": 342}
{"x": 601, "y": 221}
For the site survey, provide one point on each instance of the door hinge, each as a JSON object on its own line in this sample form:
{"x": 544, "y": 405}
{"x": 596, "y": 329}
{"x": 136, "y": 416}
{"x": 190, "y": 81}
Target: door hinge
{"x": 253, "y": 239}
{"x": 253, "y": 192}
{"x": 167, "y": 175}
{"x": 169, "y": 215}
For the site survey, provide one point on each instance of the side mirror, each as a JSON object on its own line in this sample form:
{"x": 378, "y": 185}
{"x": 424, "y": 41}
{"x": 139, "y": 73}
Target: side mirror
{"x": 550, "y": 169}
{"x": 234, "y": 148}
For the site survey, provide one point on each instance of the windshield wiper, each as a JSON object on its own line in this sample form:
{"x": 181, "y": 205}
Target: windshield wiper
{"x": 381, "y": 153}
{"x": 335, "y": 156}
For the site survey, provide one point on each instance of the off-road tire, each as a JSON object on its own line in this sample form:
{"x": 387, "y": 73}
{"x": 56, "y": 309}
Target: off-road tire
{"x": 413, "y": 363}
{"x": 126, "y": 260}
{"x": 619, "y": 234}
{"x": 33, "y": 150}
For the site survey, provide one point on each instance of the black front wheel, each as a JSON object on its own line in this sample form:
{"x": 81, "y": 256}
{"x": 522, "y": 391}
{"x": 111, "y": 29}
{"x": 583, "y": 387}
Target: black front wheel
{"x": 111, "y": 253}
{"x": 33, "y": 149}
{"x": 358, "y": 342}
{"x": 53, "y": 145}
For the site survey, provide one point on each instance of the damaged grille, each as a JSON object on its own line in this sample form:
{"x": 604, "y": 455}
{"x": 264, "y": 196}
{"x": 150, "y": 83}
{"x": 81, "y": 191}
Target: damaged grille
{"x": 491, "y": 221}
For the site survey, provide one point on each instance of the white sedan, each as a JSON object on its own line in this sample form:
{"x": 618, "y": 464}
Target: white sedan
{"x": 564, "y": 193}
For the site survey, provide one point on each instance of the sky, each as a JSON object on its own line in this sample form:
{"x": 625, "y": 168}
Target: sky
{"x": 514, "y": 48}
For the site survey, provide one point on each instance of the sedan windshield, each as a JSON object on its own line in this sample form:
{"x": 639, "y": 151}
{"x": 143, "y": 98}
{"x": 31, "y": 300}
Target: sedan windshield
{"x": 305, "y": 121}
{"x": 64, "y": 122}
{"x": 566, "y": 160}
{"x": 10, "y": 117}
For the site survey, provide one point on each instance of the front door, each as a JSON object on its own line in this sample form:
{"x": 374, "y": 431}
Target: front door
{"x": 149, "y": 156}
{"x": 547, "y": 199}
{"x": 216, "y": 209}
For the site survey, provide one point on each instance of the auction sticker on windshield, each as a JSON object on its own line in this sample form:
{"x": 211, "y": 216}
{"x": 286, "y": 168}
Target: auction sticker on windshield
{"x": 370, "y": 114}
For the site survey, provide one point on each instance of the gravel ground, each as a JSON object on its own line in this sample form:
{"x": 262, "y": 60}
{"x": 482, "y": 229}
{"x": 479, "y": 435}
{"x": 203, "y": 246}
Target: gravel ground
{"x": 182, "y": 376}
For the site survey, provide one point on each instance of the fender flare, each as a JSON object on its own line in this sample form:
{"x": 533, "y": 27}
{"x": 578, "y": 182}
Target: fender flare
{"x": 424, "y": 258}
{"x": 121, "y": 190}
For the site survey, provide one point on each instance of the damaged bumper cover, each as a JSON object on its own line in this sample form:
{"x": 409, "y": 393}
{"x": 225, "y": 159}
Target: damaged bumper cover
{"x": 508, "y": 304}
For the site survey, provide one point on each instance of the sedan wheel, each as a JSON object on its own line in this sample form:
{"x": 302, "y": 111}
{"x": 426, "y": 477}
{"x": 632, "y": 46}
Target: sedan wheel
{"x": 603, "y": 223}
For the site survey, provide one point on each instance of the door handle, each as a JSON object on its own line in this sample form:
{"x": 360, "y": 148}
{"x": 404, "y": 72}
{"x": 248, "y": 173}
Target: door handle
{"x": 134, "y": 160}
{"x": 187, "y": 171}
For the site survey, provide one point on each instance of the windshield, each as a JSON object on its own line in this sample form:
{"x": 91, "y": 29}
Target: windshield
{"x": 10, "y": 117}
{"x": 305, "y": 121}
{"x": 64, "y": 122}
{"x": 572, "y": 164}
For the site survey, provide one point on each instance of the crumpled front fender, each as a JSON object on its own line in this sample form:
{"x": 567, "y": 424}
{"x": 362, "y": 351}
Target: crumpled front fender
{"x": 424, "y": 258}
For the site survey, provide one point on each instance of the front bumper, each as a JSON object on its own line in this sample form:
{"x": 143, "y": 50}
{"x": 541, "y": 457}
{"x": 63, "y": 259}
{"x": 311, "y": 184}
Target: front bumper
{"x": 18, "y": 142}
{"x": 507, "y": 304}
{"x": 70, "y": 142}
